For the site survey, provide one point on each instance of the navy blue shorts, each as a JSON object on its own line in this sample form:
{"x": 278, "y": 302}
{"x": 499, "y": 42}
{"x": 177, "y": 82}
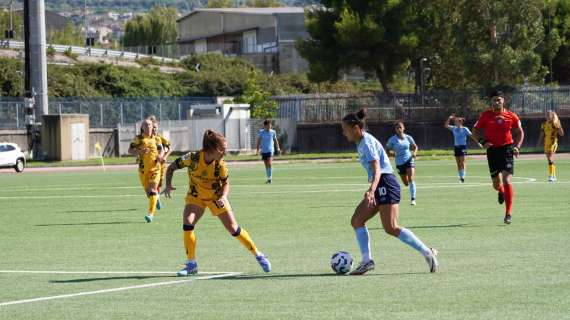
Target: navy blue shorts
{"x": 403, "y": 168}
{"x": 388, "y": 191}
{"x": 460, "y": 151}
{"x": 266, "y": 155}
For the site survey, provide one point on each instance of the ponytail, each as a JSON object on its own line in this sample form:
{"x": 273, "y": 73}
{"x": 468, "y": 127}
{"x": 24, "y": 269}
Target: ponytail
{"x": 356, "y": 118}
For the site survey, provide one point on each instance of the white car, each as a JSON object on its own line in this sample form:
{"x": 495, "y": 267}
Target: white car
{"x": 11, "y": 156}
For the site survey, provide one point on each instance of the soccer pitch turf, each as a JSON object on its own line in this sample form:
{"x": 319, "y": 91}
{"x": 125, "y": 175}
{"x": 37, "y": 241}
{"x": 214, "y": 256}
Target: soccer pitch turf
{"x": 75, "y": 246}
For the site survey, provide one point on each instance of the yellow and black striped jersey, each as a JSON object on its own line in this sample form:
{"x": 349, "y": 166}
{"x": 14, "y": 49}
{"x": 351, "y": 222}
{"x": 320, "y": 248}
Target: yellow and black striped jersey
{"x": 205, "y": 179}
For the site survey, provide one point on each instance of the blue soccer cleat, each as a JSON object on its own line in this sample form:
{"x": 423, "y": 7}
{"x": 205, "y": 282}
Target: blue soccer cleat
{"x": 263, "y": 262}
{"x": 158, "y": 204}
{"x": 191, "y": 268}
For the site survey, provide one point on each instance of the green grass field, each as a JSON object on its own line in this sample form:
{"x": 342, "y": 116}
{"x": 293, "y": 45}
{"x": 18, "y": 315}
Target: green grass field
{"x": 80, "y": 235}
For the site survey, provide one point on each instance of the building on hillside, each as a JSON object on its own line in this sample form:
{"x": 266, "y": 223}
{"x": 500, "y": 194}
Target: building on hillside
{"x": 264, "y": 36}
{"x": 54, "y": 21}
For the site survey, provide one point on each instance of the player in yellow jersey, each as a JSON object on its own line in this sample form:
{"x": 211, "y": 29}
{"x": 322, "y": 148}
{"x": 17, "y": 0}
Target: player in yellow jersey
{"x": 149, "y": 152}
{"x": 167, "y": 151}
{"x": 550, "y": 130}
{"x": 209, "y": 188}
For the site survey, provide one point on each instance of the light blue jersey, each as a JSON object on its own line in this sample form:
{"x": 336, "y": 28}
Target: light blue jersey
{"x": 401, "y": 148}
{"x": 460, "y": 135}
{"x": 267, "y": 138}
{"x": 371, "y": 149}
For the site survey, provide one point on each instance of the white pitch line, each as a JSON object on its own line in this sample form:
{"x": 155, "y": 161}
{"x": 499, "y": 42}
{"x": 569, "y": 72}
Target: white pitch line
{"x": 86, "y": 293}
{"x": 101, "y": 272}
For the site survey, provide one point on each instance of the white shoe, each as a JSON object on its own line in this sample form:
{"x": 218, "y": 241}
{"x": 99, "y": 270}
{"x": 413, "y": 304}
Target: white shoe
{"x": 551, "y": 179}
{"x": 413, "y": 202}
{"x": 432, "y": 260}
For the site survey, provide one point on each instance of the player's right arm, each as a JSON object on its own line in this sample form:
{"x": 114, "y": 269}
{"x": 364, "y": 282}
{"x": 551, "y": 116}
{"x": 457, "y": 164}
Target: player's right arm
{"x": 477, "y": 135}
{"x": 258, "y": 143}
{"x": 179, "y": 163}
{"x": 134, "y": 147}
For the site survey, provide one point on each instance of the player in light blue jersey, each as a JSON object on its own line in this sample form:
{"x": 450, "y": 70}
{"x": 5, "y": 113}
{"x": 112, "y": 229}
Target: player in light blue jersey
{"x": 267, "y": 140}
{"x": 460, "y": 134}
{"x": 405, "y": 149}
{"x": 383, "y": 196}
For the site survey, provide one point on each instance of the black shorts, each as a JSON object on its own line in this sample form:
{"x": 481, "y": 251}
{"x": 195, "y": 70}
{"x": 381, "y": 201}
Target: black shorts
{"x": 403, "y": 168}
{"x": 266, "y": 155}
{"x": 501, "y": 159}
{"x": 460, "y": 151}
{"x": 388, "y": 190}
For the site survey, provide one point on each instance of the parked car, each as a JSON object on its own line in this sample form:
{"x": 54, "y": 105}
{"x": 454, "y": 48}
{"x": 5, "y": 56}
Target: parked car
{"x": 11, "y": 156}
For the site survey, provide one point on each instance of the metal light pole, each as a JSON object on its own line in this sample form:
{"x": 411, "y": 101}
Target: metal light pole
{"x": 422, "y": 80}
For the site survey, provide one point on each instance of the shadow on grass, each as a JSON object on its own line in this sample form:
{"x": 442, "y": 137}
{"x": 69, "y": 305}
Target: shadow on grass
{"x": 304, "y": 275}
{"x": 323, "y": 207}
{"x": 112, "y": 278}
{"x": 95, "y": 211}
{"x": 463, "y": 225}
{"x": 87, "y": 223}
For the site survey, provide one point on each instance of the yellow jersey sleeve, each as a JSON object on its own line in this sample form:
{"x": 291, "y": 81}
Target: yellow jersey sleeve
{"x": 223, "y": 171}
{"x": 189, "y": 160}
{"x": 137, "y": 142}
{"x": 165, "y": 143}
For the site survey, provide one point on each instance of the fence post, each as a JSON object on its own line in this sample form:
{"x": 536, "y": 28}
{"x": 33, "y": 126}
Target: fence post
{"x": 17, "y": 116}
{"x": 101, "y": 112}
{"x": 179, "y": 112}
{"x": 79, "y": 107}
{"x": 121, "y": 116}
{"x": 59, "y": 108}
{"x": 159, "y": 111}
{"x": 141, "y": 111}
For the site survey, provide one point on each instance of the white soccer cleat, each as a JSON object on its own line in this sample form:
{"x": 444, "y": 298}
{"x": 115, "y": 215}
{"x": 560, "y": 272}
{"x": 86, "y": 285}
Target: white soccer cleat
{"x": 551, "y": 179}
{"x": 431, "y": 260}
{"x": 362, "y": 268}
{"x": 413, "y": 202}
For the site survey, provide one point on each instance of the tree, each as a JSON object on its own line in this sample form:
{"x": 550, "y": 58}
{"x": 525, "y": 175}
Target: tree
{"x": 376, "y": 36}
{"x": 500, "y": 45}
{"x": 70, "y": 35}
{"x": 221, "y": 3}
{"x": 557, "y": 40}
{"x": 153, "y": 29}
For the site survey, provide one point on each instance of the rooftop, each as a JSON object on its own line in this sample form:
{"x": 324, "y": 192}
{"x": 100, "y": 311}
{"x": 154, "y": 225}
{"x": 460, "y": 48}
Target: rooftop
{"x": 259, "y": 11}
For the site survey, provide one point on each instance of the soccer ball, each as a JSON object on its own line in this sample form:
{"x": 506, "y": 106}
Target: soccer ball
{"x": 341, "y": 262}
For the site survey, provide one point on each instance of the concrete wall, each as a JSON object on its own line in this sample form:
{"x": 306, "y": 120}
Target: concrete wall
{"x": 106, "y": 137}
{"x": 290, "y": 61}
{"x": 329, "y": 138}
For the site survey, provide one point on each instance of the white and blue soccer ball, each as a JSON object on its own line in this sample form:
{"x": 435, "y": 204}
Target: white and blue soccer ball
{"x": 341, "y": 262}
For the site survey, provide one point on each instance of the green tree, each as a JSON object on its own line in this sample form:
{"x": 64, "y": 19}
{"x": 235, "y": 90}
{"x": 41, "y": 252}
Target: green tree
{"x": 376, "y": 36}
{"x": 155, "y": 28}
{"x": 557, "y": 39}
{"x": 221, "y": 3}
{"x": 501, "y": 46}
{"x": 70, "y": 35}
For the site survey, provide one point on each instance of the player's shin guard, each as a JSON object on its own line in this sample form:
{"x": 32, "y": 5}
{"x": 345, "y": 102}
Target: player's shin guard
{"x": 413, "y": 190}
{"x": 509, "y": 198}
{"x": 152, "y": 199}
{"x": 363, "y": 239}
{"x": 189, "y": 241}
{"x": 244, "y": 238}
{"x": 409, "y": 238}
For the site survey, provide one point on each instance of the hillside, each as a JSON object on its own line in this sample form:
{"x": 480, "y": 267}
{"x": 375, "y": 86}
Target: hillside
{"x": 140, "y": 5}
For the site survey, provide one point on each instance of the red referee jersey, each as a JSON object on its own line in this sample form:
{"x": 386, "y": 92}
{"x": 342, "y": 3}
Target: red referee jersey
{"x": 497, "y": 126}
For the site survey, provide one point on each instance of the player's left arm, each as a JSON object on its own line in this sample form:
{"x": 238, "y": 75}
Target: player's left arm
{"x": 276, "y": 144}
{"x": 519, "y": 137}
{"x": 413, "y": 146}
{"x": 561, "y": 131}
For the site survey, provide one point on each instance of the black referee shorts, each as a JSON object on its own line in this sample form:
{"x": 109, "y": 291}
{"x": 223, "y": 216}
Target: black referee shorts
{"x": 501, "y": 159}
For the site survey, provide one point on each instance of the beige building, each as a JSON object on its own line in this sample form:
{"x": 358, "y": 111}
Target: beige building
{"x": 264, "y": 36}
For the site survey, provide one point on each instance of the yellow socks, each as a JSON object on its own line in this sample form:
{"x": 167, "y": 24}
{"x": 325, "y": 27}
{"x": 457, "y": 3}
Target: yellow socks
{"x": 189, "y": 241}
{"x": 152, "y": 200}
{"x": 244, "y": 238}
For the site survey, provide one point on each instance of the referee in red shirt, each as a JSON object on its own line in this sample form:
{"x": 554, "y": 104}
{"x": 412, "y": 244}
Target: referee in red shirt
{"x": 493, "y": 131}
